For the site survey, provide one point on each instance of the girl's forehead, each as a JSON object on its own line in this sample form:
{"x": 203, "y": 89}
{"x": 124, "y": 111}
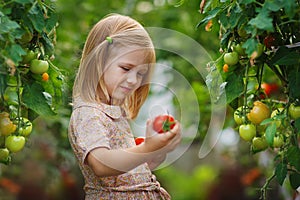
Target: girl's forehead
{"x": 131, "y": 56}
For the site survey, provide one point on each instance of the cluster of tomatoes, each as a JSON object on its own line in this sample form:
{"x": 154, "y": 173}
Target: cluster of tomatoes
{"x": 263, "y": 127}
{"x": 13, "y": 134}
{"x": 14, "y": 129}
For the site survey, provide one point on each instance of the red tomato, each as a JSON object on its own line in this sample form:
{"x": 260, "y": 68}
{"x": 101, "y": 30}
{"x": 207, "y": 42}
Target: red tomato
{"x": 139, "y": 140}
{"x": 269, "y": 88}
{"x": 163, "y": 123}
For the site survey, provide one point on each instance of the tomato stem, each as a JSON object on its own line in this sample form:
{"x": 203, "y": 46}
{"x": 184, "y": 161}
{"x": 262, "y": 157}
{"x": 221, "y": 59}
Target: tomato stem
{"x": 265, "y": 186}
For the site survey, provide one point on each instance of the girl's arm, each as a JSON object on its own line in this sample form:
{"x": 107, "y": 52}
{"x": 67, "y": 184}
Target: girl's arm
{"x": 105, "y": 162}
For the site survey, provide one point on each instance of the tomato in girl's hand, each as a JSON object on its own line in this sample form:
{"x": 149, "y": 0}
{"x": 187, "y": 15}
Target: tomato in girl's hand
{"x": 139, "y": 140}
{"x": 163, "y": 123}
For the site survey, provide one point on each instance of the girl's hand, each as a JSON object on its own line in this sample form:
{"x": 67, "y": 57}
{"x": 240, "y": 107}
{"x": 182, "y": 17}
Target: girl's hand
{"x": 164, "y": 142}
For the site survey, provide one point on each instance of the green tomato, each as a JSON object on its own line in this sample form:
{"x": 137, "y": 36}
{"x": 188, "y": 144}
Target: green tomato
{"x": 231, "y": 58}
{"x": 15, "y": 143}
{"x": 38, "y": 66}
{"x": 4, "y": 154}
{"x": 11, "y": 96}
{"x": 259, "y": 143}
{"x": 259, "y": 51}
{"x": 274, "y": 114}
{"x": 238, "y": 116}
{"x": 29, "y": 57}
{"x": 294, "y": 111}
{"x": 26, "y": 127}
{"x": 239, "y": 49}
{"x": 247, "y": 131}
{"x": 278, "y": 141}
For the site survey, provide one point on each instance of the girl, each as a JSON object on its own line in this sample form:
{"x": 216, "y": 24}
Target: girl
{"x": 111, "y": 85}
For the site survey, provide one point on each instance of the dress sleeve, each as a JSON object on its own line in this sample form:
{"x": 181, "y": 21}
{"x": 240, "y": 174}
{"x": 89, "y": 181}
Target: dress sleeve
{"x": 91, "y": 131}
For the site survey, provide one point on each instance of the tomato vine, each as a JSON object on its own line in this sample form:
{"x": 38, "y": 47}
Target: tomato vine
{"x": 260, "y": 39}
{"x": 31, "y": 85}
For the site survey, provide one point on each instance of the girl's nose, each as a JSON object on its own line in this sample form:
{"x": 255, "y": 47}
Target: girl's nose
{"x": 132, "y": 78}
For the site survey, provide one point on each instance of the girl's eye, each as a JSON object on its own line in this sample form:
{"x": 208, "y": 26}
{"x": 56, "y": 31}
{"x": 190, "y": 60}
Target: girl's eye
{"x": 125, "y": 68}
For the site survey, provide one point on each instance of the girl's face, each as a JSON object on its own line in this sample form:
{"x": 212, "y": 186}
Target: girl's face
{"x": 125, "y": 74}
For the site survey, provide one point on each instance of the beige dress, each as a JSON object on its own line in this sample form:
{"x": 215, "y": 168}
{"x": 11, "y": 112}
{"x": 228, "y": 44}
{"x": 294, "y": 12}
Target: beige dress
{"x": 95, "y": 125}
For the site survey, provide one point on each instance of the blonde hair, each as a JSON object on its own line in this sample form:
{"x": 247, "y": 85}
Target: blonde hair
{"x": 97, "y": 54}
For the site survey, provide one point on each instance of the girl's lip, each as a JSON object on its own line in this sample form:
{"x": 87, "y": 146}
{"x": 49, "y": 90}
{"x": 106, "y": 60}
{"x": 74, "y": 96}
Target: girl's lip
{"x": 127, "y": 89}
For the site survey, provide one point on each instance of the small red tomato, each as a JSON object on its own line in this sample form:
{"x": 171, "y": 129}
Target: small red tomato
{"x": 45, "y": 76}
{"x": 139, "y": 140}
{"x": 269, "y": 41}
{"x": 225, "y": 68}
{"x": 163, "y": 123}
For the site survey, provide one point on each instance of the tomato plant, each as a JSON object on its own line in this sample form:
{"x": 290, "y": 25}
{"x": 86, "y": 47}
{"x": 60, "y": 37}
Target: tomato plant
{"x": 163, "y": 123}
{"x": 27, "y": 40}
{"x": 269, "y": 34}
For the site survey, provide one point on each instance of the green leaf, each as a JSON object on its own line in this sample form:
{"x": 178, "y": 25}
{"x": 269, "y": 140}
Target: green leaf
{"x": 293, "y": 156}
{"x": 15, "y": 52}
{"x": 36, "y": 17}
{"x": 297, "y": 125}
{"x": 294, "y": 180}
{"x": 7, "y": 25}
{"x": 294, "y": 82}
{"x": 250, "y": 46}
{"x": 23, "y": 1}
{"x": 293, "y": 58}
{"x": 273, "y": 6}
{"x": 34, "y": 99}
{"x": 51, "y": 21}
{"x": 234, "y": 86}
{"x": 210, "y": 15}
{"x": 48, "y": 45}
{"x": 247, "y": 1}
{"x": 270, "y": 133}
{"x": 280, "y": 172}
{"x": 262, "y": 21}
{"x": 290, "y": 8}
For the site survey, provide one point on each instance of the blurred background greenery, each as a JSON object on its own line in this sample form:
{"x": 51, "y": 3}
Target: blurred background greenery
{"x": 47, "y": 169}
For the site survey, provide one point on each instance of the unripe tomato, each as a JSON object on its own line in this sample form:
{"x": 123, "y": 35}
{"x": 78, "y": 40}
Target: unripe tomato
{"x": 259, "y": 112}
{"x": 163, "y": 123}
{"x": 11, "y": 96}
{"x": 231, "y": 58}
{"x": 274, "y": 114}
{"x": 239, "y": 49}
{"x": 38, "y": 66}
{"x": 259, "y": 143}
{"x": 30, "y": 55}
{"x": 26, "y": 127}
{"x": 238, "y": 115}
{"x": 278, "y": 141}
{"x": 294, "y": 111}
{"x": 14, "y": 143}
{"x": 4, "y": 154}
{"x": 258, "y": 52}
{"x": 6, "y": 125}
{"x": 247, "y": 131}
